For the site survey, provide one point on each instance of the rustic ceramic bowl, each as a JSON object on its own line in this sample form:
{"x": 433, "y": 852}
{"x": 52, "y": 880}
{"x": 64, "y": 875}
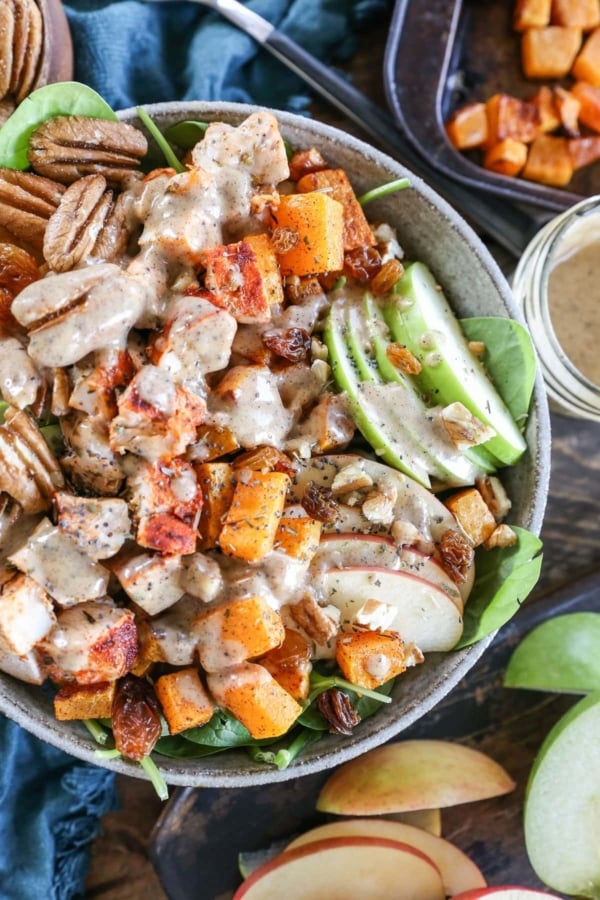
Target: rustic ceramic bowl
{"x": 431, "y": 231}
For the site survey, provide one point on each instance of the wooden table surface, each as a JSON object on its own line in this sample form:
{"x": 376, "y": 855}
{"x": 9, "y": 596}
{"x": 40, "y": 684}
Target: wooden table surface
{"x": 121, "y": 869}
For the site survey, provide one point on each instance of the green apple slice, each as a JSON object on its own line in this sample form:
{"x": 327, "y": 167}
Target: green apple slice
{"x": 562, "y": 803}
{"x": 421, "y": 318}
{"x": 379, "y": 336}
{"x": 444, "y": 462}
{"x": 562, "y": 654}
{"x": 371, "y": 419}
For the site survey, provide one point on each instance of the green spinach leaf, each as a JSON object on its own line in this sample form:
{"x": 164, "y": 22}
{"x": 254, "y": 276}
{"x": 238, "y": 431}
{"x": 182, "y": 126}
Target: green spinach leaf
{"x": 176, "y": 747}
{"x": 68, "y": 98}
{"x": 221, "y": 732}
{"x": 186, "y": 134}
{"x": 509, "y": 359}
{"x": 504, "y": 577}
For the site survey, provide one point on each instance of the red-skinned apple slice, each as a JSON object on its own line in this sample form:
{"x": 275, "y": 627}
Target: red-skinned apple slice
{"x": 425, "y": 615}
{"x": 344, "y": 549}
{"x": 406, "y": 775}
{"x": 458, "y": 873}
{"x": 506, "y": 892}
{"x": 336, "y": 867}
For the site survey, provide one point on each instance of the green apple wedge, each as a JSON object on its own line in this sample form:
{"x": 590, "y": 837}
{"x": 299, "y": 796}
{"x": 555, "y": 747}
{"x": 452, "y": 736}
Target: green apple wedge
{"x": 372, "y": 421}
{"x": 420, "y": 317}
{"x": 379, "y": 335}
{"x": 562, "y": 803}
{"x": 409, "y": 414}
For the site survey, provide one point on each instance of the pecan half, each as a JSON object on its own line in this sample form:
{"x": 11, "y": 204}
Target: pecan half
{"x": 26, "y": 203}
{"x": 336, "y": 708}
{"x": 313, "y": 619}
{"x": 29, "y": 473}
{"x": 68, "y": 147}
{"x": 88, "y": 224}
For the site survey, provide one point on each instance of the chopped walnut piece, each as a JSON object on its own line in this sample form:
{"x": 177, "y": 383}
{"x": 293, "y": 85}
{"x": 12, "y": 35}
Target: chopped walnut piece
{"x": 457, "y": 555}
{"x": 378, "y": 508}
{"x": 403, "y": 358}
{"x": 350, "y": 478}
{"x": 501, "y": 536}
{"x": 319, "y": 503}
{"x": 390, "y": 272}
{"x": 314, "y": 619}
{"x": 375, "y": 615}
{"x": 338, "y": 711}
{"x": 492, "y": 490}
{"x": 412, "y": 655}
{"x": 477, "y": 348}
{"x": 284, "y": 239}
{"x": 463, "y": 428}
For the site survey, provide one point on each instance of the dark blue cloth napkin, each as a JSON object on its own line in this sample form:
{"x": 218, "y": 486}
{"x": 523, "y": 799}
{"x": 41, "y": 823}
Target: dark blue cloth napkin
{"x": 132, "y": 52}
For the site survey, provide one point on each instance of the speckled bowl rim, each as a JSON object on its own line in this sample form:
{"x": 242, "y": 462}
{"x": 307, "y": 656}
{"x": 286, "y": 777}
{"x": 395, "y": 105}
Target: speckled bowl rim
{"x": 442, "y": 671}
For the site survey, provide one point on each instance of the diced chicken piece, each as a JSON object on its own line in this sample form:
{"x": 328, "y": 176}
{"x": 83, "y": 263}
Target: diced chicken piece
{"x": 27, "y": 668}
{"x": 300, "y": 386}
{"x": 20, "y": 380}
{"x": 99, "y": 526}
{"x": 167, "y": 534}
{"x": 255, "y": 145}
{"x": 84, "y": 701}
{"x": 248, "y": 402}
{"x": 61, "y": 391}
{"x": 55, "y": 562}
{"x": 26, "y": 614}
{"x": 157, "y": 418}
{"x": 244, "y": 278}
{"x": 150, "y": 580}
{"x": 195, "y": 340}
{"x": 90, "y": 461}
{"x": 184, "y": 700}
{"x": 91, "y": 643}
{"x": 71, "y": 314}
{"x": 329, "y": 427}
{"x": 94, "y": 394}
{"x": 164, "y": 488}
{"x": 169, "y": 637}
{"x": 201, "y": 577}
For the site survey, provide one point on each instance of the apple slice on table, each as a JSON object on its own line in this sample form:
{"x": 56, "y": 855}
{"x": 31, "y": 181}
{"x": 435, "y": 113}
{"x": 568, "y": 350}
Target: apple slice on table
{"x": 457, "y": 871}
{"x": 427, "y": 819}
{"x": 344, "y": 549}
{"x": 425, "y": 615}
{"x": 562, "y": 803}
{"x": 562, "y": 654}
{"x": 339, "y": 868}
{"x": 505, "y": 892}
{"x": 419, "y": 774}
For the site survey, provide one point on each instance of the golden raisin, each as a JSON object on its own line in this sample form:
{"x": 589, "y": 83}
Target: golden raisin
{"x": 390, "y": 272}
{"x": 362, "y": 264}
{"x": 403, "y": 358}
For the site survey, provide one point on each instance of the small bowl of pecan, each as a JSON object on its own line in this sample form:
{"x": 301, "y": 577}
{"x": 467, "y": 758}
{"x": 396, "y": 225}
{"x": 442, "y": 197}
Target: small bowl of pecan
{"x": 272, "y": 442}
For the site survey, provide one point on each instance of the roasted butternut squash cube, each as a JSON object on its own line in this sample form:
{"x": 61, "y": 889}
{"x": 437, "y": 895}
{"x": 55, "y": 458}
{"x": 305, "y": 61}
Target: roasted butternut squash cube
{"x": 472, "y": 514}
{"x": 84, "y": 701}
{"x": 584, "y": 150}
{"x": 217, "y": 483}
{"x": 587, "y": 64}
{"x": 215, "y": 441}
{"x": 298, "y": 536}
{"x": 244, "y": 278}
{"x": 357, "y": 231}
{"x": 567, "y": 106}
{"x": 290, "y": 664}
{"x": 543, "y": 100}
{"x": 370, "y": 658}
{"x": 531, "y": 14}
{"x": 549, "y": 161}
{"x": 184, "y": 700}
{"x": 318, "y": 221}
{"x": 507, "y": 157}
{"x": 589, "y": 100}
{"x": 252, "y": 520}
{"x": 468, "y": 127}
{"x": 583, "y": 14}
{"x": 256, "y": 699}
{"x": 549, "y": 52}
{"x": 240, "y": 629}
{"x": 509, "y": 117}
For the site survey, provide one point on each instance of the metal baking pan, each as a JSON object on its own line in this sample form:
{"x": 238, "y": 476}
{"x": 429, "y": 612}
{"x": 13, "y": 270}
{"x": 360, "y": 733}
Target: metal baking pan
{"x": 441, "y": 54}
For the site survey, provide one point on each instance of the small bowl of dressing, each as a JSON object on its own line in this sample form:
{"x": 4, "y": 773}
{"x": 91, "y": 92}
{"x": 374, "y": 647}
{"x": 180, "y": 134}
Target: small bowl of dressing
{"x": 557, "y": 284}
